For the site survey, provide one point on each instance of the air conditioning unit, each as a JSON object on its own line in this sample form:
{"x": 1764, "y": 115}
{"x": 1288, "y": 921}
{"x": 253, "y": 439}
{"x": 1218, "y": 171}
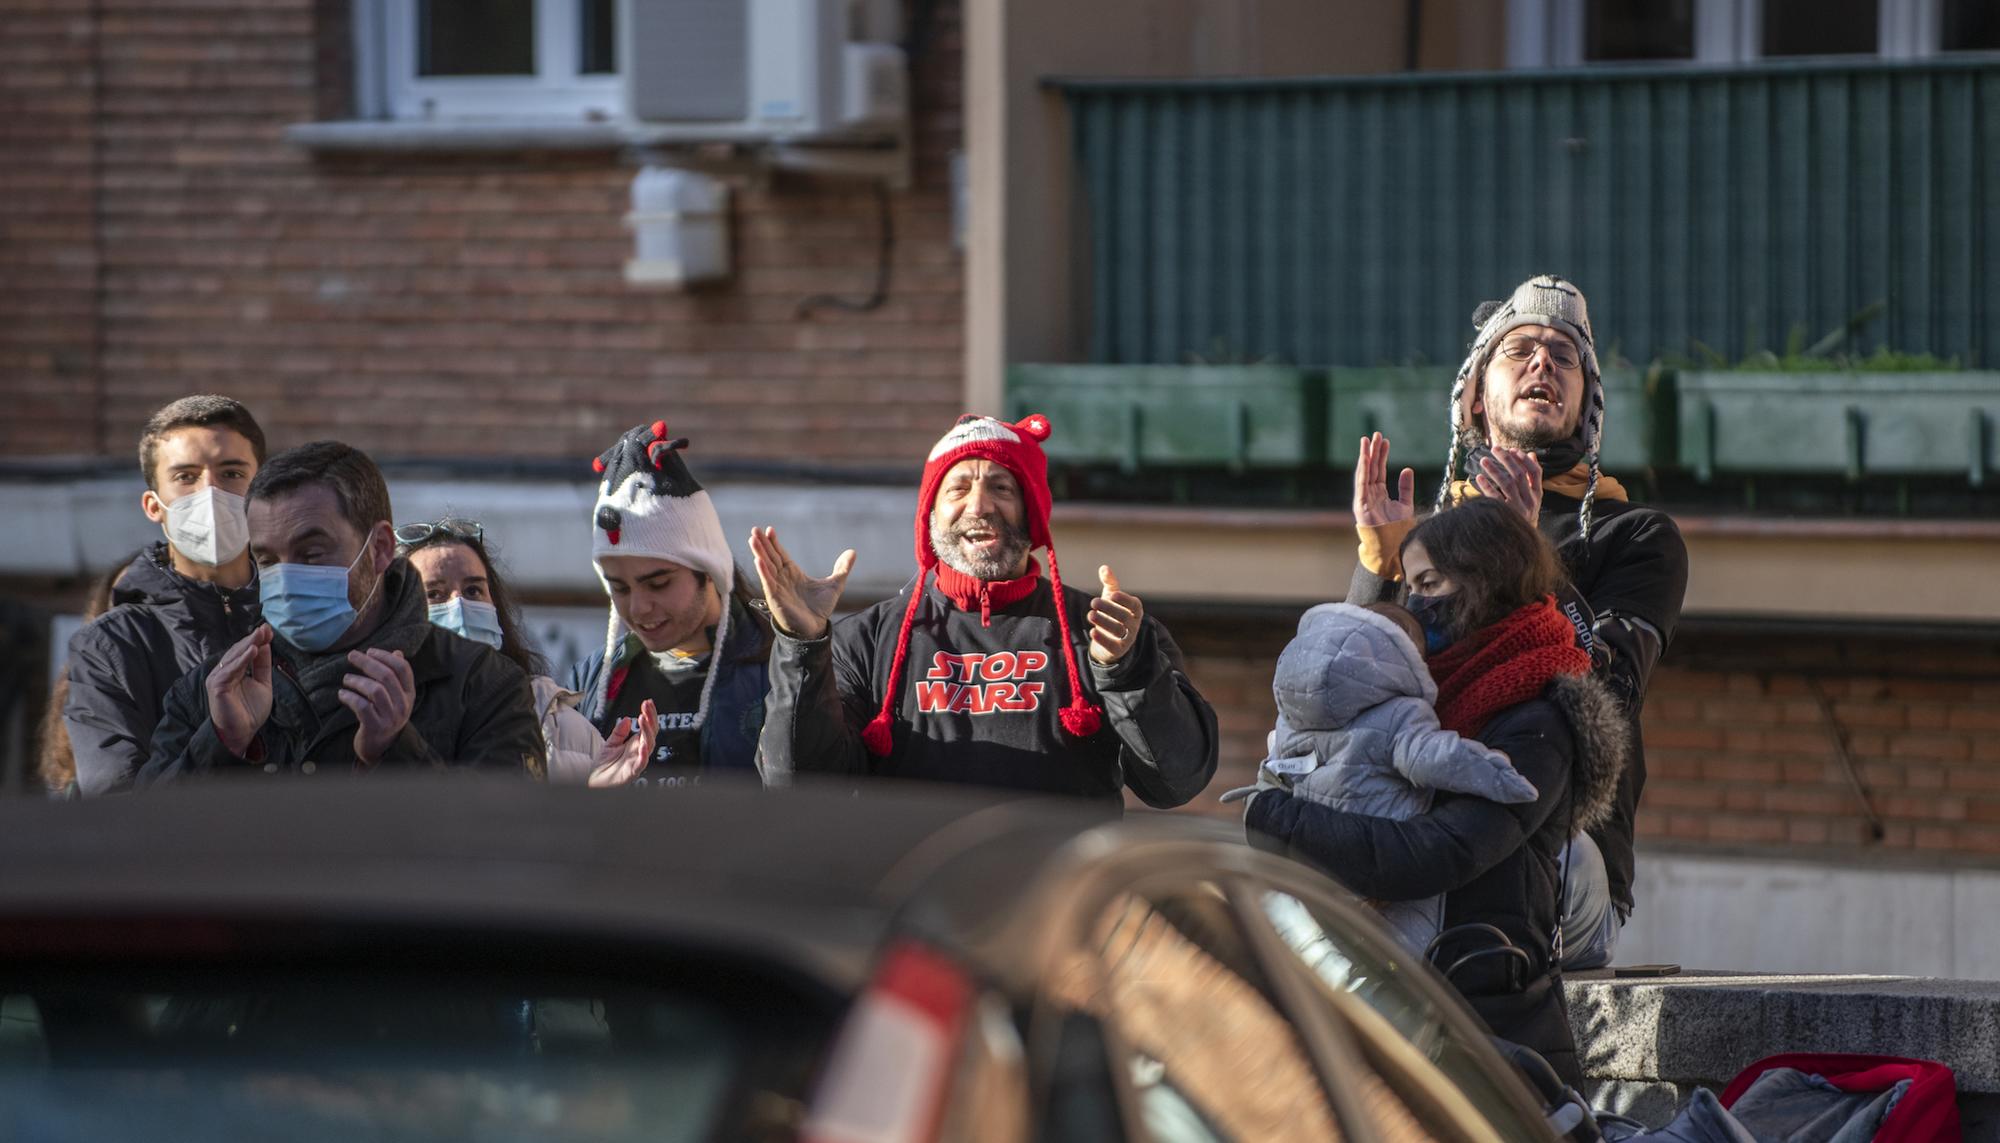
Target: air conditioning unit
{"x": 778, "y": 71}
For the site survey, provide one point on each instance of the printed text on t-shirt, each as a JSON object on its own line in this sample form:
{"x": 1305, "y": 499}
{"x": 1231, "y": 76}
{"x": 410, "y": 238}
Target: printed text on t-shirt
{"x": 981, "y": 683}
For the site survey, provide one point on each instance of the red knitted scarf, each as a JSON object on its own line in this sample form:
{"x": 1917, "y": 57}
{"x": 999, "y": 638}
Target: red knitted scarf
{"x": 1503, "y": 665}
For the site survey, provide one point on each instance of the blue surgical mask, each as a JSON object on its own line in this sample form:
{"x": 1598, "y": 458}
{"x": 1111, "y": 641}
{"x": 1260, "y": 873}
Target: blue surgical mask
{"x": 1433, "y": 613}
{"x": 307, "y": 603}
{"x": 477, "y": 621}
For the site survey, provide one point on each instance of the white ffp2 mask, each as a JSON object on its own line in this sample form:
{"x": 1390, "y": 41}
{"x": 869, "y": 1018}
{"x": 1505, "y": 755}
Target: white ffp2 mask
{"x": 208, "y": 527}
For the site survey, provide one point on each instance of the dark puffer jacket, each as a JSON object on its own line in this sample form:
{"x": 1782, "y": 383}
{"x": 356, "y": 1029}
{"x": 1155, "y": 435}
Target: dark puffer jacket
{"x": 122, "y": 663}
{"x": 1496, "y": 864}
{"x": 1632, "y": 575}
{"x": 473, "y": 707}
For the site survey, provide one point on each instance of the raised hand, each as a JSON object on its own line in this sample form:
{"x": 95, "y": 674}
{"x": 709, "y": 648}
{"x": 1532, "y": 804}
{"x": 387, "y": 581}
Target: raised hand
{"x": 1373, "y": 507}
{"x": 1513, "y": 477}
{"x": 1114, "y": 620}
{"x": 381, "y": 692}
{"x": 628, "y": 750}
{"x": 800, "y": 605}
{"x": 239, "y": 691}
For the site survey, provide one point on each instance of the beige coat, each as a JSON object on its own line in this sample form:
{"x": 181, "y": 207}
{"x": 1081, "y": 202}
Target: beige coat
{"x": 572, "y": 742}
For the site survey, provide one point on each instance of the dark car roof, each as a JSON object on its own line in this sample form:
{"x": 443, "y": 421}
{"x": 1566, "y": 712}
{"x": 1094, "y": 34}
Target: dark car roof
{"x": 812, "y": 877}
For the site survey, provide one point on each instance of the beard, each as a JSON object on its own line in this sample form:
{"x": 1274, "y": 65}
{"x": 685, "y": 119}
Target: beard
{"x": 1502, "y": 427}
{"x": 1505, "y": 428}
{"x": 1529, "y": 437}
{"x": 956, "y": 553}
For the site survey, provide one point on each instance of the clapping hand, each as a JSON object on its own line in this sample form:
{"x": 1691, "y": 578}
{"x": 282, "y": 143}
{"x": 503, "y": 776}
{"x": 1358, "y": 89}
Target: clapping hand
{"x": 1373, "y": 507}
{"x": 1513, "y": 477}
{"x": 800, "y": 605}
{"x": 381, "y": 692}
{"x": 628, "y": 750}
{"x": 239, "y": 691}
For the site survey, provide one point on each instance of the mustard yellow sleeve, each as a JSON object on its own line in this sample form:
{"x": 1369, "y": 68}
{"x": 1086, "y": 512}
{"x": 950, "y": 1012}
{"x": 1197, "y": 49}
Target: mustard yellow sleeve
{"x": 1382, "y": 547}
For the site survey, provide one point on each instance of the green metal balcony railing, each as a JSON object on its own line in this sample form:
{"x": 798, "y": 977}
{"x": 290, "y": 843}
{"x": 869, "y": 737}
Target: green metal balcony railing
{"x": 1356, "y": 221}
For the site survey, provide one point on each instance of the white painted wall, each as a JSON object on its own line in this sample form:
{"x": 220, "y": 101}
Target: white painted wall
{"x": 1766, "y": 915}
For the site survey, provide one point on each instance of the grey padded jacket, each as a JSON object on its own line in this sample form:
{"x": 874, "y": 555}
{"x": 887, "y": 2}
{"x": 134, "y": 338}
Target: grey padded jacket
{"x": 1357, "y": 731}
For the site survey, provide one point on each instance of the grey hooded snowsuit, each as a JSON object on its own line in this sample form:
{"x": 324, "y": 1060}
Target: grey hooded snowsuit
{"x": 1357, "y": 731}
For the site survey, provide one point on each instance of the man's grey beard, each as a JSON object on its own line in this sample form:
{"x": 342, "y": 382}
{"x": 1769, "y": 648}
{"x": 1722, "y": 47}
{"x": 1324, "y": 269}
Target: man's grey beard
{"x": 949, "y": 544}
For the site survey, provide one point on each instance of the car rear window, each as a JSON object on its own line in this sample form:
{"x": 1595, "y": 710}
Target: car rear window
{"x": 314, "y": 1051}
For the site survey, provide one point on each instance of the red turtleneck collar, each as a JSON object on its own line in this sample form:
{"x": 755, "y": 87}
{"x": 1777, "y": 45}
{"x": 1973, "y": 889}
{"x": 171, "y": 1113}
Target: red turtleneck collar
{"x": 983, "y": 595}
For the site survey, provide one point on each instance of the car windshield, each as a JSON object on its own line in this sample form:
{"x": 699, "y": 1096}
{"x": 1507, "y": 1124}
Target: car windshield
{"x": 318, "y": 1055}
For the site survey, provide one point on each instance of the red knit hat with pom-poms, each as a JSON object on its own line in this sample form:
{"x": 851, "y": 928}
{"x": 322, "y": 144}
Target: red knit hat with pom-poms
{"x": 1017, "y": 448}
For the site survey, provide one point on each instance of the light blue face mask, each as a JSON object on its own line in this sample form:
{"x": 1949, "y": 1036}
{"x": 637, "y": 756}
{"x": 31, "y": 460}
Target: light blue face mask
{"x": 477, "y": 621}
{"x": 307, "y": 603}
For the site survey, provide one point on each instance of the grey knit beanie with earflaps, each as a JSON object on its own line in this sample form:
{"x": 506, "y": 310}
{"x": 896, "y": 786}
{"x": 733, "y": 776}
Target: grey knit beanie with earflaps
{"x": 1542, "y": 300}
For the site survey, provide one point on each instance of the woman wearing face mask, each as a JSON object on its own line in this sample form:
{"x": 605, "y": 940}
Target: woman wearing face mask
{"x": 468, "y": 597}
{"x": 1511, "y": 675}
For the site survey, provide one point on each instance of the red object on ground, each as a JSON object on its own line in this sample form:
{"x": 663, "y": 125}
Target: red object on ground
{"x": 1927, "y": 1113}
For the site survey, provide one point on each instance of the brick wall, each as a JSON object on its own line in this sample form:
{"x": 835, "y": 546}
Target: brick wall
{"x": 428, "y": 305}
{"x": 48, "y": 255}
{"x": 1739, "y": 749}
{"x": 1744, "y": 742}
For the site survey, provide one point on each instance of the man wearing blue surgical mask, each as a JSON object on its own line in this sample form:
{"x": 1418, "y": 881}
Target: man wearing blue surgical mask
{"x": 347, "y": 673}
{"x": 180, "y": 603}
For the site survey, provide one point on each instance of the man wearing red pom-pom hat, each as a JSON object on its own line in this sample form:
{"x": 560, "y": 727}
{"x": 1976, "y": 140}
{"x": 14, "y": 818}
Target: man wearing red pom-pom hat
{"x": 973, "y": 674}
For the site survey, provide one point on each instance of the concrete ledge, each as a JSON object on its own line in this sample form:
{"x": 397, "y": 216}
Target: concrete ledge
{"x": 408, "y": 136}
{"x": 1648, "y": 1043}
{"x": 1829, "y": 571}
{"x": 1705, "y": 1027}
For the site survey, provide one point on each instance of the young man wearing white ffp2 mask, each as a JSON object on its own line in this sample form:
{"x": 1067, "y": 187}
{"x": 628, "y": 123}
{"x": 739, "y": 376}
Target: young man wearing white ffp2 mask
{"x": 183, "y": 601}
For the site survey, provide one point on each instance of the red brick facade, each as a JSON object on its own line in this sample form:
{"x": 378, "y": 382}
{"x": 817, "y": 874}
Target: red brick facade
{"x": 159, "y": 236}
{"x": 162, "y": 237}
{"x": 1739, "y": 750}
{"x": 49, "y": 318}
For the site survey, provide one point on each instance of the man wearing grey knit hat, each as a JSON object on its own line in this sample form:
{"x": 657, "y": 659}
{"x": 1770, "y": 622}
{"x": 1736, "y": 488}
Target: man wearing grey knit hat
{"x": 1526, "y": 418}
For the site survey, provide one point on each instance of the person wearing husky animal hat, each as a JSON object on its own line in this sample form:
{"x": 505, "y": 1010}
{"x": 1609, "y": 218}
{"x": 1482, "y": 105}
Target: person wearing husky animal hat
{"x": 681, "y": 638}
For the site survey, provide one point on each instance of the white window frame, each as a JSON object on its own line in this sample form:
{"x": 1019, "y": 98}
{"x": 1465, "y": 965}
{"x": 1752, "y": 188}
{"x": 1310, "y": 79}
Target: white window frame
{"x": 387, "y": 85}
{"x": 1549, "y": 33}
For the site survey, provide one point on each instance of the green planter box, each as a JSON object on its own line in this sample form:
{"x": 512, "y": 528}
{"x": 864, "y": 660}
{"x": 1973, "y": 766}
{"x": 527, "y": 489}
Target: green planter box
{"x": 1854, "y": 424}
{"x": 1410, "y": 406}
{"x": 1161, "y": 416}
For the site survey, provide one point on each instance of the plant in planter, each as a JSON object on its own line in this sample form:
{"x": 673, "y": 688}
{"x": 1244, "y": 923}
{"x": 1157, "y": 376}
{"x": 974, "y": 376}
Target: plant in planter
{"x": 1816, "y": 411}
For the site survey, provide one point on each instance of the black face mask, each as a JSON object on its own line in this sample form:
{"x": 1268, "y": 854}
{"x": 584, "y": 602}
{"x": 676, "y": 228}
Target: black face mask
{"x": 1555, "y": 460}
{"x": 1433, "y": 614}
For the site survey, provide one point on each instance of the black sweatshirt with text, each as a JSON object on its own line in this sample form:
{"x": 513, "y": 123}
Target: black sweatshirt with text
{"x": 980, "y": 702}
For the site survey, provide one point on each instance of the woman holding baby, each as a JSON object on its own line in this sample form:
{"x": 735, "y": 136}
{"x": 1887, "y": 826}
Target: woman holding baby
{"x": 1512, "y": 675}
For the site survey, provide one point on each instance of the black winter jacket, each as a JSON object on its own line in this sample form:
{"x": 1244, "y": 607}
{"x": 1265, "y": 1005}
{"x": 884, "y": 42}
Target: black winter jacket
{"x": 473, "y": 707}
{"x": 991, "y": 721}
{"x": 1496, "y": 864}
{"x": 1633, "y": 574}
{"x": 122, "y": 663}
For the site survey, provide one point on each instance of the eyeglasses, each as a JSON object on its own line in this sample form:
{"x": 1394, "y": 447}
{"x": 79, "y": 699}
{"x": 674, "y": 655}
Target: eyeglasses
{"x": 1561, "y": 351}
{"x": 413, "y": 534}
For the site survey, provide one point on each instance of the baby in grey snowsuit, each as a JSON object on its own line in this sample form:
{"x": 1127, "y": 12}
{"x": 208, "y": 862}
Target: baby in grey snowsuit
{"x": 1357, "y": 731}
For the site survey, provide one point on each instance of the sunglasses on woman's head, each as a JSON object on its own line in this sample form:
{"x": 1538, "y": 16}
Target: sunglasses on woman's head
{"x": 447, "y": 529}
